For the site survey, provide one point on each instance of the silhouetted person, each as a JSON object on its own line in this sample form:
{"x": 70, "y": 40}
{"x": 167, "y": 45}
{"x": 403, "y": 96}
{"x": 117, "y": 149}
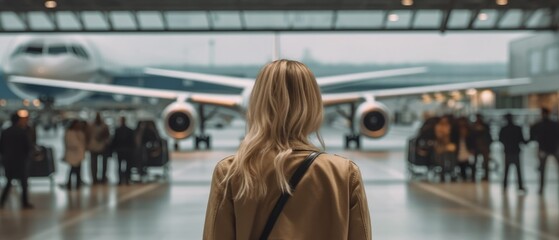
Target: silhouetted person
{"x": 482, "y": 139}
{"x": 99, "y": 137}
{"x": 74, "y": 142}
{"x": 445, "y": 149}
{"x": 546, "y": 133}
{"x": 123, "y": 144}
{"x": 15, "y": 148}
{"x": 511, "y": 137}
{"x": 466, "y": 146}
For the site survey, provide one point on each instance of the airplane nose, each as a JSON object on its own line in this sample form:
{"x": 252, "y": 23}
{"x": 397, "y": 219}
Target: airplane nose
{"x": 41, "y": 70}
{"x": 22, "y": 65}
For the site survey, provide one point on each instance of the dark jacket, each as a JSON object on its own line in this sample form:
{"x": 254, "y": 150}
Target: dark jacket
{"x": 123, "y": 139}
{"x": 511, "y": 136}
{"x": 470, "y": 144}
{"x": 15, "y": 147}
{"x": 482, "y": 136}
{"x": 546, "y": 133}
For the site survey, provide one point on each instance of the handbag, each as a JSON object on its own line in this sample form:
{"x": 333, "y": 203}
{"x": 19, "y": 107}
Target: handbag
{"x": 295, "y": 179}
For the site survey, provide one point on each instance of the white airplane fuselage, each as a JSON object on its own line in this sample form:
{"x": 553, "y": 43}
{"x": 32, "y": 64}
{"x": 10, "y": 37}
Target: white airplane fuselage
{"x": 69, "y": 58}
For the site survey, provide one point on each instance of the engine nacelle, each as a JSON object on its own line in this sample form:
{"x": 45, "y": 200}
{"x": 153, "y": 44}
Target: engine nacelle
{"x": 373, "y": 119}
{"x": 180, "y": 120}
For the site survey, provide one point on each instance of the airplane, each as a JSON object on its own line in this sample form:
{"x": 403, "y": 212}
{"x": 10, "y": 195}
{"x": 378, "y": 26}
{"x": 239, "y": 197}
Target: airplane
{"x": 44, "y": 62}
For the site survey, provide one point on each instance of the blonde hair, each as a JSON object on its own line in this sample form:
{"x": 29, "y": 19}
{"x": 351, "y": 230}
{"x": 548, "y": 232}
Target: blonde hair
{"x": 285, "y": 107}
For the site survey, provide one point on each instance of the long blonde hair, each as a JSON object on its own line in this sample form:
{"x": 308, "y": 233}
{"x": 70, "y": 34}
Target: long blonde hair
{"x": 285, "y": 107}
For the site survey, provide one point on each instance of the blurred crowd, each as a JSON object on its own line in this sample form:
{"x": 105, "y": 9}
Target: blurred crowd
{"x": 95, "y": 139}
{"x": 455, "y": 147}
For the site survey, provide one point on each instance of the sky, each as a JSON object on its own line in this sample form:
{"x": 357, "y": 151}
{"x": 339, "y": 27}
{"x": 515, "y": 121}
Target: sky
{"x": 257, "y": 48}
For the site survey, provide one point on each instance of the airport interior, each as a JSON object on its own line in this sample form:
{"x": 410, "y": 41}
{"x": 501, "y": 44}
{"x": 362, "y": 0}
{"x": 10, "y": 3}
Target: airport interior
{"x": 114, "y": 114}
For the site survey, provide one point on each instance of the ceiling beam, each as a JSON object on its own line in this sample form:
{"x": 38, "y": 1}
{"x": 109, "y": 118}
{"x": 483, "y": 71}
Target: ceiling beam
{"x": 24, "y": 18}
{"x": 136, "y": 20}
{"x": 473, "y": 18}
{"x": 266, "y": 30}
{"x": 108, "y": 20}
{"x": 52, "y": 18}
{"x": 554, "y": 24}
{"x": 500, "y": 15}
{"x": 243, "y": 20}
{"x": 79, "y": 18}
{"x": 384, "y": 20}
{"x": 412, "y": 18}
{"x": 446, "y": 16}
{"x": 228, "y": 5}
{"x": 526, "y": 15}
{"x": 164, "y": 20}
{"x": 334, "y": 20}
{"x": 210, "y": 19}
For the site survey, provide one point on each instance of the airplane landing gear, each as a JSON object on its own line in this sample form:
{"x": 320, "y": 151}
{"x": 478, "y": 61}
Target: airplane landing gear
{"x": 352, "y": 138}
{"x": 202, "y": 139}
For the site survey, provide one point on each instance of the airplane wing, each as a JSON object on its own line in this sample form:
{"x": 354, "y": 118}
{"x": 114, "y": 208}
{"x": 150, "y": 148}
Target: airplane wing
{"x": 213, "y": 99}
{"x": 356, "y": 77}
{"x": 246, "y": 82}
{"x": 235, "y": 100}
{"x": 340, "y": 98}
{"x": 235, "y": 82}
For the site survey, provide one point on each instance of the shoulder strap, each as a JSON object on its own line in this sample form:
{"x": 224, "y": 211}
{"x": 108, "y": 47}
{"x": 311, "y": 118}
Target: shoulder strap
{"x": 285, "y": 196}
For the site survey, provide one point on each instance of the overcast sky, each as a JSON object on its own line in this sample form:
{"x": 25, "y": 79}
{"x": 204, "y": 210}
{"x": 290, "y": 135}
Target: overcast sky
{"x": 230, "y": 48}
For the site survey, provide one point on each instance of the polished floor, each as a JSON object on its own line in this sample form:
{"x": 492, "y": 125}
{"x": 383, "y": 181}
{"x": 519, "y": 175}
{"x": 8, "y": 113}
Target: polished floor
{"x": 400, "y": 208}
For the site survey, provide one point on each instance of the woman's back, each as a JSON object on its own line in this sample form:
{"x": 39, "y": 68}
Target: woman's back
{"x": 285, "y": 107}
{"x": 329, "y": 203}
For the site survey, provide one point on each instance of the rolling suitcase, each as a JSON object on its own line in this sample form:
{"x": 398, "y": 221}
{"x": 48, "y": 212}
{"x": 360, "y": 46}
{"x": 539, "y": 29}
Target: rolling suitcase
{"x": 42, "y": 162}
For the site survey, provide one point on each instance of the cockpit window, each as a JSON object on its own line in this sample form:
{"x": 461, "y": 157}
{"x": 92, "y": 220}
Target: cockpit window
{"x": 57, "y": 49}
{"x": 18, "y": 51}
{"x": 79, "y": 51}
{"x": 34, "y": 49}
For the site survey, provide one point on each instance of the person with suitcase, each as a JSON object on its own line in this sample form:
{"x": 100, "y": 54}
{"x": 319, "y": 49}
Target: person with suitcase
{"x": 123, "y": 145}
{"x": 15, "y": 148}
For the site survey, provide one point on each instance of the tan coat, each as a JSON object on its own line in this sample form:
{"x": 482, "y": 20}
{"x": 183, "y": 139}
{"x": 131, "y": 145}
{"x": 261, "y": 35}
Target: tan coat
{"x": 74, "y": 142}
{"x": 329, "y": 203}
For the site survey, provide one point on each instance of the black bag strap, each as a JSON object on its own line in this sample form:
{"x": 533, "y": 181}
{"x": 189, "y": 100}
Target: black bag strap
{"x": 285, "y": 196}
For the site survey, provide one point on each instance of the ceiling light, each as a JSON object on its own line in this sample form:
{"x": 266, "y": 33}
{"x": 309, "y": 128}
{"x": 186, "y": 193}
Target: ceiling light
{"x": 22, "y": 113}
{"x": 451, "y": 103}
{"x": 36, "y": 103}
{"x": 502, "y": 2}
{"x": 426, "y": 99}
{"x": 50, "y": 4}
{"x": 393, "y": 17}
{"x": 407, "y": 2}
{"x": 487, "y": 98}
{"x": 483, "y": 16}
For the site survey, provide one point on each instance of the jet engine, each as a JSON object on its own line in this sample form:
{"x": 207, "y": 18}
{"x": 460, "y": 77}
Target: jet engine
{"x": 180, "y": 120}
{"x": 373, "y": 119}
